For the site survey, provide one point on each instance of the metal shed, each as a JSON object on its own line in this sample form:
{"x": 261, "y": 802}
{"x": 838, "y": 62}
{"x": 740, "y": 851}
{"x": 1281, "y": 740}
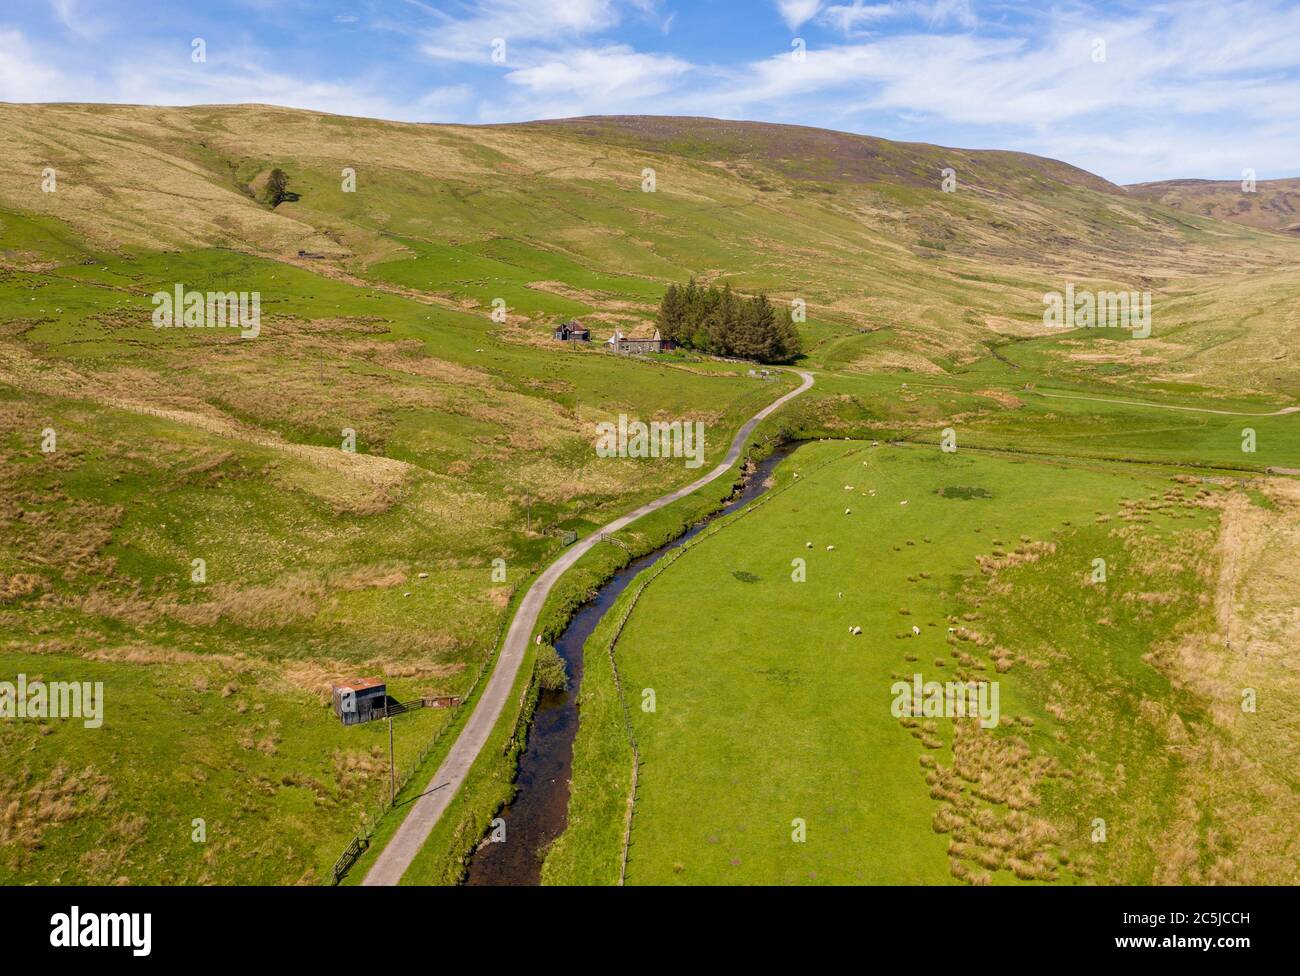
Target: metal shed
{"x": 358, "y": 700}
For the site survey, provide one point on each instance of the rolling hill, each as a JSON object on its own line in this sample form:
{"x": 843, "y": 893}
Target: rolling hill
{"x": 1272, "y": 205}
{"x": 473, "y": 434}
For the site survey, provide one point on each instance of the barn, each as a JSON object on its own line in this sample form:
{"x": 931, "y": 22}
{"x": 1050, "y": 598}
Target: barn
{"x": 358, "y": 700}
{"x": 572, "y": 331}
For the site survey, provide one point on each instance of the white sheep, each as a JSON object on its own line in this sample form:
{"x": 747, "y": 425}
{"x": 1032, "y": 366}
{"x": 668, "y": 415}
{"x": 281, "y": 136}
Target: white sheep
{"x": 848, "y": 511}
{"x": 830, "y": 548}
{"x": 916, "y": 631}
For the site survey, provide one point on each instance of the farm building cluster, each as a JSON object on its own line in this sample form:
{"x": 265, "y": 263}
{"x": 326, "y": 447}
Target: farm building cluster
{"x": 620, "y": 342}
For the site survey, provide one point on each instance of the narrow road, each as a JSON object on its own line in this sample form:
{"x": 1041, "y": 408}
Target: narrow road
{"x": 437, "y": 796}
{"x": 1168, "y": 406}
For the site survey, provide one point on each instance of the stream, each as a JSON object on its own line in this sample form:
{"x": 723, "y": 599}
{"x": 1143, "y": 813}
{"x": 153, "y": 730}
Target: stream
{"x": 539, "y": 812}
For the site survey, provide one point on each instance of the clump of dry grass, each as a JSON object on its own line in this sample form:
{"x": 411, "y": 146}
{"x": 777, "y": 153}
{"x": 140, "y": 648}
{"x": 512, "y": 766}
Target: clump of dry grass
{"x": 31, "y": 809}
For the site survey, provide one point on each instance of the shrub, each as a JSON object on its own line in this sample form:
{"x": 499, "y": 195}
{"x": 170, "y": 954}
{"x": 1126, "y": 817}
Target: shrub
{"x": 551, "y": 672}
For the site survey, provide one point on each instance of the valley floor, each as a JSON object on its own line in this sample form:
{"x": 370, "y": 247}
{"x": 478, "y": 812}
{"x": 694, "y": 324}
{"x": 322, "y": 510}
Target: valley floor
{"x": 1122, "y": 755}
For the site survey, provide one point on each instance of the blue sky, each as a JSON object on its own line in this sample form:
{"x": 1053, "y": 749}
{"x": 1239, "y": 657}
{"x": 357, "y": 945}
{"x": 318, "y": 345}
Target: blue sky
{"x": 1185, "y": 89}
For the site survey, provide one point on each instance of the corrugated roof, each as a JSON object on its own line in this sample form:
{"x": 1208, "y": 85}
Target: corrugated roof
{"x": 359, "y": 684}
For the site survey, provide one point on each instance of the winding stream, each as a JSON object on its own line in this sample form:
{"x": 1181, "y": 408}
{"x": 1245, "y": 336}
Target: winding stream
{"x": 539, "y": 812}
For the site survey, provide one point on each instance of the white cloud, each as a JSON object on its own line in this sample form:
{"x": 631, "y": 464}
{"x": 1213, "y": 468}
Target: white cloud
{"x": 609, "y": 80}
{"x": 796, "y": 12}
{"x": 853, "y": 18}
{"x": 73, "y": 15}
{"x": 518, "y": 22}
{"x": 166, "y": 77}
{"x": 28, "y": 76}
{"x": 609, "y": 69}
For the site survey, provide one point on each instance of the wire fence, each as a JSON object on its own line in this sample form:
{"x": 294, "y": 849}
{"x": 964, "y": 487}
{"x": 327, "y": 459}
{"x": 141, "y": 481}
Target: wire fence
{"x": 668, "y": 559}
{"x": 369, "y": 821}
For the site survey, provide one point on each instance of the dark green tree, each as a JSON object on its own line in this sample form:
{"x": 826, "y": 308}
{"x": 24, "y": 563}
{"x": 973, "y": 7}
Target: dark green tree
{"x": 277, "y": 188}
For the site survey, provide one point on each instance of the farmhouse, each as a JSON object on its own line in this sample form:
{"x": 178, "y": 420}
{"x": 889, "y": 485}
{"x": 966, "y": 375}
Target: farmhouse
{"x": 628, "y": 345}
{"x": 572, "y": 331}
{"x": 358, "y": 700}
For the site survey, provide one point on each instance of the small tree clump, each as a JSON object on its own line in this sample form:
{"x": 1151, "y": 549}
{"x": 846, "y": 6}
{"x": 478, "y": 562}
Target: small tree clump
{"x": 551, "y": 672}
{"x": 277, "y": 188}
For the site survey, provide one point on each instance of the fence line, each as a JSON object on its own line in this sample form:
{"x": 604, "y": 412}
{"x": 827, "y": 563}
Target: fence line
{"x": 713, "y": 529}
{"x": 361, "y": 840}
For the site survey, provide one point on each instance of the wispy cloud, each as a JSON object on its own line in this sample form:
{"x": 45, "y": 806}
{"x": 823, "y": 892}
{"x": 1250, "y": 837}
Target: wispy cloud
{"x": 468, "y": 35}
{"x": 856, "y": 17}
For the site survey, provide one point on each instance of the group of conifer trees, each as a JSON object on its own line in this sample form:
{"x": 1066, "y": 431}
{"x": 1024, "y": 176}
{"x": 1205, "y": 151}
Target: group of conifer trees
{"x": 721, "y": 323}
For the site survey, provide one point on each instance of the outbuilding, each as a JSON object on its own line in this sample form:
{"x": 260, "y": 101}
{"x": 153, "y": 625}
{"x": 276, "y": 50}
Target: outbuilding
{"x": 572, "y": 331}
{"x": 358, "y": 700}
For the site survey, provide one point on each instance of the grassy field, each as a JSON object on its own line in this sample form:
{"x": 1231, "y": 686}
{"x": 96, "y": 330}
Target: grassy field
{"x": 474, "y": 436}
{"x": 768, "y": 709}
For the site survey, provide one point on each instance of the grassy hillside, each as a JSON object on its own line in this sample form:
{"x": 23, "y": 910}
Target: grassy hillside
{"x": 1272, "y": 204}
{"x": 473, "y": 436}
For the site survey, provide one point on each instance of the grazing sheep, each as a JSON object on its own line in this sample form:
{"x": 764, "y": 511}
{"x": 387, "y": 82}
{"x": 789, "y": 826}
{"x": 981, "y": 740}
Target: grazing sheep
{"x": 830, "y": 548}
{"x": 848, "y": 511}
{"x": 916, "y": 631}
{"x": 903, "y": 502}
{"x": 855, "y": 631}
{"x": 808, "y": 544}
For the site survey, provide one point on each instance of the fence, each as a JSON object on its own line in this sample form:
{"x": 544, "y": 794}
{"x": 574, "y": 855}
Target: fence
{"x": 667, "y": 560}
{"x": 361, "y": 841}
{"x": 349, "y": 856}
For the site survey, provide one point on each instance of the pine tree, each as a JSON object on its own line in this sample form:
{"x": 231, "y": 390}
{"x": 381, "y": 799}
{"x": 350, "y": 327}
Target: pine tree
{"x": 720, "y": 322}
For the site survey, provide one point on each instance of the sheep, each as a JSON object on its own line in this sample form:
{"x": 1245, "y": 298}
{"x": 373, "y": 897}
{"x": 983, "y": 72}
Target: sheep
{"x": 848, "y": 511}
{"x": 916, "y": 631}
{"x": 808, "y": 544}
{"x": 830, "y": 548}
{"x": 903, "y": 502}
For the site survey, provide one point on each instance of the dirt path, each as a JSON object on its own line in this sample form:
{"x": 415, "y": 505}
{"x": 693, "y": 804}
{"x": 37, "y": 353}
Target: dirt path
{"x": 1168, "y": 406}
{"x": 438, "y": 794}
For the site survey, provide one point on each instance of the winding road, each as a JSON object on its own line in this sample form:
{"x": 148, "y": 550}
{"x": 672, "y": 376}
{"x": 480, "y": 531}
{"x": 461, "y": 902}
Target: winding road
{"x": 437, "y": 796}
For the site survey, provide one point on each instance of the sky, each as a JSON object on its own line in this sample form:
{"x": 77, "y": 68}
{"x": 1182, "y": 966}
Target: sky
{"x": 1132, "y": 91}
